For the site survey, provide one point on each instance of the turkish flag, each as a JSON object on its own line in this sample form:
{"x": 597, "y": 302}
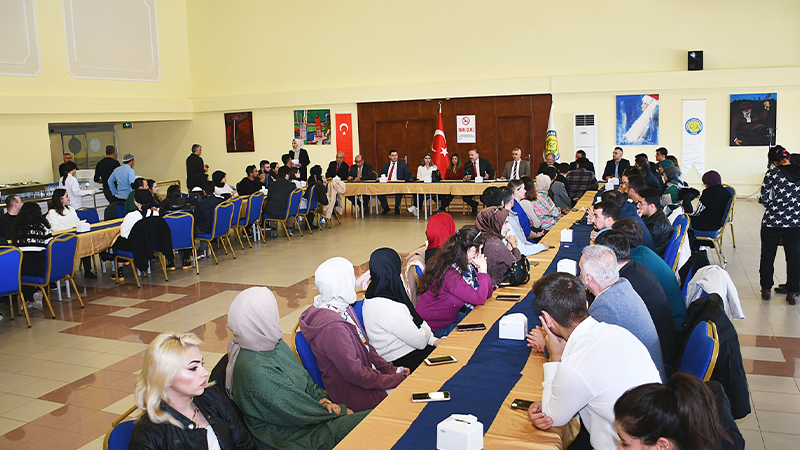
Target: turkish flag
{"x": 439, "y": 146}
{"x": 344, "y": 136}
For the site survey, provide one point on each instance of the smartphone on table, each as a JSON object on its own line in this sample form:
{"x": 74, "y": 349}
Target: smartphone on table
{"x": 431, "y": 397}
{"x": 471, "y": 327}
{"x": 440, "y": 360}
{"x": 521, "y": 404}
{"x": 508, "y": 297}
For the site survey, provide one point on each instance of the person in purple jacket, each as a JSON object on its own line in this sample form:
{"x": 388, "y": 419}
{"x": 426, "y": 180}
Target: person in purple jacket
{"x": 455, "y": 281}
{"x": 351, "y": 368}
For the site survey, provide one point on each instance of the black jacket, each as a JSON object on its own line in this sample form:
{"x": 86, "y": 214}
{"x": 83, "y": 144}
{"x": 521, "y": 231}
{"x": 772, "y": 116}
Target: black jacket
{"x": 247, "y": 186}
{"x": 302, "y": 156}
{"x": 483, "y": 164}
{"x": 174, "y": 204}
{"x": 344, "y": 169}
{"x": 278, "y": 197}
{"x": 729, "y": 370}
{"x": 6, "y": 222}
{"x": 194, "y": 166}
{"x": 609, "y": 171}
{"x": 215, "y": 406}
{"x": 661, "y": 230}
{"x": 366, "y": 172}
{"x": 102, "y": 172}
{"x": 204, "y": 213}
{"x": 574, "y": 165}
{"x": 402, "y": 171}
{"x": 149, "y": 234}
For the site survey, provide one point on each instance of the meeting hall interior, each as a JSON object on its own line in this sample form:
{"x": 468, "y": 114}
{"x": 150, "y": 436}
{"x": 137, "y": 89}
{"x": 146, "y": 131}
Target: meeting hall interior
{"x": 686, "y": 90}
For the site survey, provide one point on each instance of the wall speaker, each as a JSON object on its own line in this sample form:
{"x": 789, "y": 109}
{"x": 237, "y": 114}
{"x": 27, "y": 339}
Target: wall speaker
{"x": 696, "y": 60}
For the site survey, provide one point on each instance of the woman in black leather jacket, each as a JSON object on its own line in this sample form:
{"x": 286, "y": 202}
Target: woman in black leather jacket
{"x": 180, "y": 412}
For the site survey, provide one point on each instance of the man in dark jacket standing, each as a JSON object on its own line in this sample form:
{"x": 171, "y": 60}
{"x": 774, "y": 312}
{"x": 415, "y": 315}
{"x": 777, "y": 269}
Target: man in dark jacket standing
{"x": 655, "y": 219}
{"x": 194, "y": 166}
{"x": 103, "y": 170}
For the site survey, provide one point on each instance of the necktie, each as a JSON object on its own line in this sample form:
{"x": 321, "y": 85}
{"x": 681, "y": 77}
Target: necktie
{"x": 359, "y": 172}
{"x": 391, "y": 171}
{"x": 515, "y": 174}
{"x": 616, "y": 170}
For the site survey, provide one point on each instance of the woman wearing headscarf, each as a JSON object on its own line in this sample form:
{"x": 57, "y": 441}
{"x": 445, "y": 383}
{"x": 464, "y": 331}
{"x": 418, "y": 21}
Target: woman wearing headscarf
{"x": 455, "y": 281}
{"x": 672, "y": 180}
{"x": 710, "y": 211}
{"x": 500, "y": 256}
{"x": 393, "y": 325}
{"x": 544, "y": 208}
{"x": 351, "y": 368}
{"x": 282, "y": 406}
{"x": 221, "y": 186}
{"x": 440, "y": 227}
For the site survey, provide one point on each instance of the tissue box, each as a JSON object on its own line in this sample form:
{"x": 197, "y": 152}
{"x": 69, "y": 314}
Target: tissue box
{"x": 568, "y": 266}
{"x": 566, "y": 235}
{"x": 479, "y": 179}
{"x": 83, "y": 226}
{"x": 384, "y": 179}
{"x": 514, "y": 326}
{"x": 459, "y": 432}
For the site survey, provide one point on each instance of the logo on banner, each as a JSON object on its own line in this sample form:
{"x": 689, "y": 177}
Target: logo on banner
{"x": 694, "y": 126}
{"x": 551, "y": 143}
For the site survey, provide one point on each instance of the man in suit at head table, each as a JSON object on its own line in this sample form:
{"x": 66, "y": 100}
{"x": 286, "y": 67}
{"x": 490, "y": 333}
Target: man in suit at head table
{"x": 395, "y": 171}
{"x": 477, "y": 167}
{"x": 517, "y": 167}
{"x": 338, "y": 168}
{"x": 360, "y": 171}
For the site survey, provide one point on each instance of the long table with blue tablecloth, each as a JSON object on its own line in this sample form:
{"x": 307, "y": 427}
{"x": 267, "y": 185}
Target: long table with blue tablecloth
{"x": 489, "y": 375}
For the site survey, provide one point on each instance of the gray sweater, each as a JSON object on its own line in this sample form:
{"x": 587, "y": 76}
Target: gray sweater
{"x": 620, "y": 305}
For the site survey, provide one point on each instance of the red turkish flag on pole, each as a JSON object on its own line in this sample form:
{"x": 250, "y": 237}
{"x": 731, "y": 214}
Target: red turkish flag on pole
{"x": 439, "y": 146}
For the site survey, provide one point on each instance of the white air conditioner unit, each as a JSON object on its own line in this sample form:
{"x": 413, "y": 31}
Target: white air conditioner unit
{"x": 585, "y": 136}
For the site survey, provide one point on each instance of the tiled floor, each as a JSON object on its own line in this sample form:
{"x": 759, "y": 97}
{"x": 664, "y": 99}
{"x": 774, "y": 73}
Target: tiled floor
{"x": 63, "y": 381}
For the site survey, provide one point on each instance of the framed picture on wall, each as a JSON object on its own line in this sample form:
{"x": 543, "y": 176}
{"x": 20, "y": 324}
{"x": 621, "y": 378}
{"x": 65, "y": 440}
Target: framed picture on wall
{"x": 753, "y": 119}
{"x": 239, "y": 132}
{"x": 637, "y": 119}
{"x": 313, "y": 126}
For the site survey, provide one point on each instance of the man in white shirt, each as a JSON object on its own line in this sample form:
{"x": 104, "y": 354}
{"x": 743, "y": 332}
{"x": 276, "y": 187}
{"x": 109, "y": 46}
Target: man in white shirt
{"x": 517, "y": 167}
{"x": 591, "y": 363}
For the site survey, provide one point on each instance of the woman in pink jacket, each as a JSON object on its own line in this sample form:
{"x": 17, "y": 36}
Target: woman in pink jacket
{"x": 455, "y": 281}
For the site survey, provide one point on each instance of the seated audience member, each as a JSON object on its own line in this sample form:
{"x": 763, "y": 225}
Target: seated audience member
{"x": 656, "y": 265}
{"x": 62, "y": 216}
{"x": 138, "y": 184}
{"x": 673, "y": 159}
{"x": 454, "y": 172}
{"x": 628, "y": 210}
{"x": 440, "y": 227}
{"x": 681, "y": 414}
{"x": 526, "y": 202}
{"x": 591, "y": 364}
{"x": 174, "y": 201}
{"x": 615, "y": 300}
{"x": 646, "y": 285}
{"x": 653, "y": 166}
{"x": 360, "y": 171}
{"x": 278, "y": 194}
{"x": 672, "y": 180}
{"x": 558, "y": 190}
{"x": 152, "y": 186}
{"x": 144, "y": 207}
{"x": 282, "y": 405}
{"x": 395, "y": 171}
{"x": 517, "y": 167}
{"x": 263, "y": 173}
{"x": 320, "y": 190}
{"x": 543, "y": 206}
{"x": 563, "y": 170}
{"x": 661, "y": 154}
{"x": 352, "y": 370}
{"x": 710, "y": 211}
{"x": 251, "y": 183}
{"x": 31, "y": 233}
{"x": 650, "y": 178}
{"x": 393, "y": 326}
{"x": 616, "y": 165}
{"x": 473, "y": 168}
{"x": 657, "y": 222}
{"x": 221, "y": 186}
{"x": 580, "y": 180}
{"x": 549, "y": 161}
{"x": 204, "y": 213}
{"x": 504, "y": 198}
{"x": 171, "y": 389}
{"x": 518, "y": 189}
{"x": 603, "y": 215}
{"x": 500, "y": 255}
{"x": 455, "y": 281}
{"x": 574, "y": 164}
{"x": 273, "y": 171}
{"x": 13, "y": 205}
{"x": 338, "y": 168}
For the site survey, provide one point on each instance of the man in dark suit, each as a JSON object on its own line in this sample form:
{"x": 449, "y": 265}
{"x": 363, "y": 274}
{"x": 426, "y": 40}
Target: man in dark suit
{"x": 616, "y": 165}
{"x": 517, "y": 167}
{"x": 338, "y": 168}
{"x": 360, "y": 171}
{"x": 549, "y": 161}
{"x": 395, "y": 171}
{"x": 578, "y": 155}
{"x": 278, "y": 196}
{"x": 484, "y": 169}
{"x": 194, "y": 166}
{"x": 204, "y": 212}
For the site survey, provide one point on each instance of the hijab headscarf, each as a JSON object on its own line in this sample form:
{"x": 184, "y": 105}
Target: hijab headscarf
{"x": 384, "y": 268}
{"x": 673, "y": 175}
{"x": 217, "y": 178}
{"x": 666, "y": 163}
{"x": 712, "y": 178}
{"x": 440, "y": 227}
{"x": 491, "y": 220}
{"x": 336, "y": 282}
{"x": 543, "y": 183}
{"x": 256, "y": 324}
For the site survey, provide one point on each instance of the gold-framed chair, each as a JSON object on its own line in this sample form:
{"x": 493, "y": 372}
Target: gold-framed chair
{"x": 60, "y": 266}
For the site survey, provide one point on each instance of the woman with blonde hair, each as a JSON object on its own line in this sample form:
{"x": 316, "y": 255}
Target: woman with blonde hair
{"x": 180, "y": 409}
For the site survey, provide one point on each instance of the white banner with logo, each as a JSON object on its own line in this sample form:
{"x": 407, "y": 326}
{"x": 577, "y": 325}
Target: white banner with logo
{"x": 465, "y": 129}
{"x": 694, "y": 136}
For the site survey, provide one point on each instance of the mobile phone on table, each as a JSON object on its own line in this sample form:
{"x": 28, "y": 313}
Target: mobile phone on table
{"x": 440, "y": 360}
{"x": 471, "y": 327}
{"x": 521, "y": 404}
{"x": 508, "y": 297}
{"x": 431, "y": 397}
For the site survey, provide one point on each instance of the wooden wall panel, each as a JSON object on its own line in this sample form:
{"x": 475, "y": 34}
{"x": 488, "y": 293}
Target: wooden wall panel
{"x": 502, "y": 123}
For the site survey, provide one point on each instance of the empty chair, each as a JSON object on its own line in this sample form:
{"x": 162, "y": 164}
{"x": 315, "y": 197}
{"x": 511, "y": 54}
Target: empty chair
{"x": 181, "y": 225}
{"x": 252, "y": 215}
{"x": 219, "y": 230}
{"x": 311, "y": 208}
{"x": 237, "y": 212}
{"x": 90, "y": 215}
{"x": 307, "y": 357}
{"x": 701, "y": 352}
{"x": 10, "y": 284}
{"x": 60, "y": 266}
{"x": 673, "y": 250}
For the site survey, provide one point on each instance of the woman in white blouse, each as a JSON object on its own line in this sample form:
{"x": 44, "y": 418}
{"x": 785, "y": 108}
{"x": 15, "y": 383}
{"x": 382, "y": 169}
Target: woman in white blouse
{"x": 424, "y": 173}
{"x": 62, "y": 216}
{"x": 70, "y": 184}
